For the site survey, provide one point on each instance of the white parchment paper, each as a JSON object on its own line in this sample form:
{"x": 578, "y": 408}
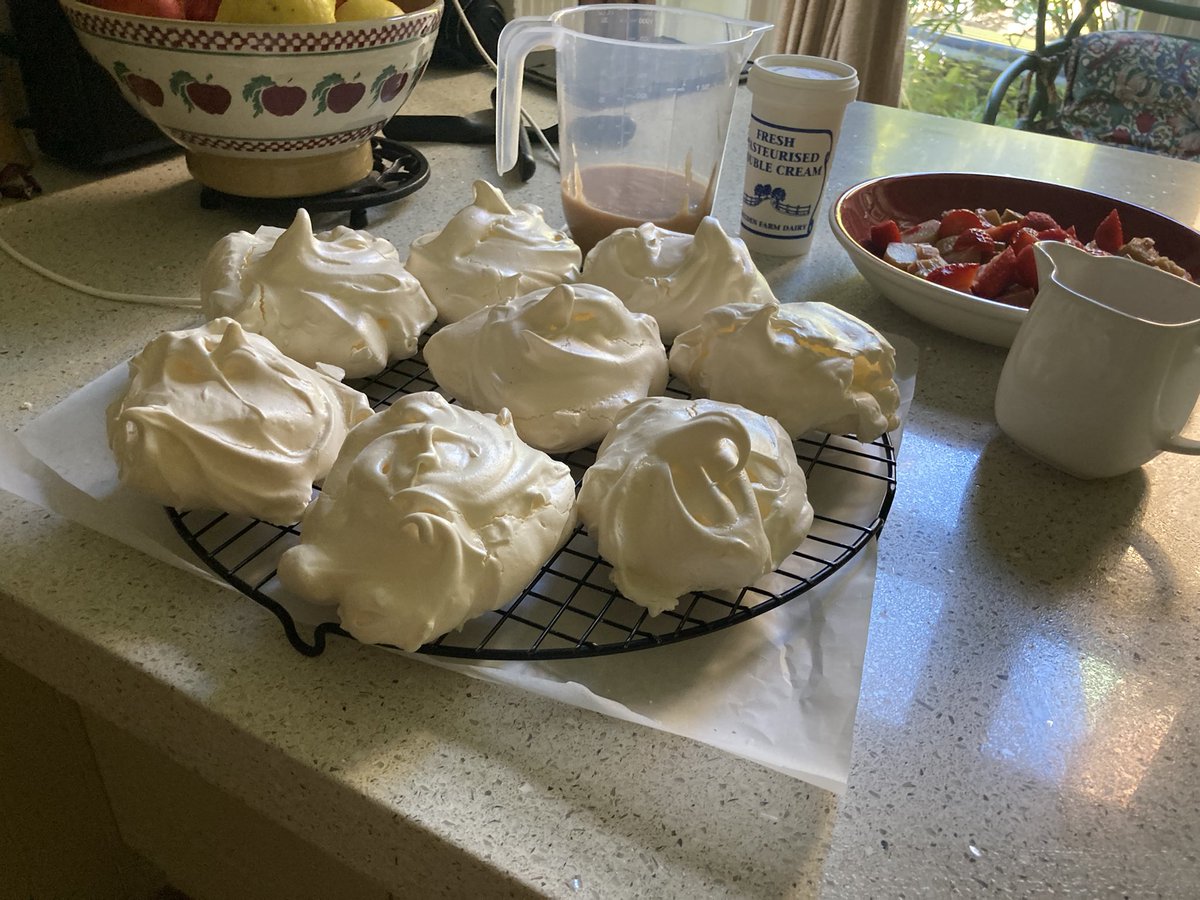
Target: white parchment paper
{"x": 780, "y": 689}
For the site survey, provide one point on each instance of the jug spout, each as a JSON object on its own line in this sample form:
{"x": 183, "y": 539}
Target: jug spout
{"x": 1057, "y": 261}
{"x": 753, "y": 33}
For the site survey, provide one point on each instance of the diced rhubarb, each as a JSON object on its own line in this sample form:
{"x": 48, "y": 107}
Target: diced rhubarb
{"x": 996, "y": 275}
{"x": 1038, "y": 221}
{"x": 1110, "y": 235}
{"x": 901, "y": 255}
{"x": 956, "y": 221}
{"x": 970, "y": 255}
{"x": 883, "y": 234}
{"x": 921, "y": 233}
{"x": 956, "y": 276}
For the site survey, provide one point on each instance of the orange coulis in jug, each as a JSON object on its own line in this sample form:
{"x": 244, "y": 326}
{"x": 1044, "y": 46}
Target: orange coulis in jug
{"x": 599, "y": 200}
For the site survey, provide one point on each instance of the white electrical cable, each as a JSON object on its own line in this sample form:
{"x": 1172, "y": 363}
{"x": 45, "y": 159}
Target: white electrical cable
{"x": 150, "y": 300}
{"x": 528, "y": 119}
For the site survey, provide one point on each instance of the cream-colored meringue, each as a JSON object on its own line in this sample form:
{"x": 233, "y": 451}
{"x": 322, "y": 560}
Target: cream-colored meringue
{"x": 217, "y": 418}
{"x": 690, "y": 495}
{"x": 563, "y": 360}
{"x": 675, "y": 277}
{"x": 432, "y": 515}
{"x": 340, "y": 297}
{"x": 810, "y": 365}
{"x": 490, "y": 252}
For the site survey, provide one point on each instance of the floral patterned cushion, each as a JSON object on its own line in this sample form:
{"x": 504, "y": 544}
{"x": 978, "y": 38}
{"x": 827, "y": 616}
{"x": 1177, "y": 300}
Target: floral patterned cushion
{"x": 1134, "y": 89}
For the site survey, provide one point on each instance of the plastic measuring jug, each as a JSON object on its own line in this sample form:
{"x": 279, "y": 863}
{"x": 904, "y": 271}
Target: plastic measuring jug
{"x": 645, "y": 95}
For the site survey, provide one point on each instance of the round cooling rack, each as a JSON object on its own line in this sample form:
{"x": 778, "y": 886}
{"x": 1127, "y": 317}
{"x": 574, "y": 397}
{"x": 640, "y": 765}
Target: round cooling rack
{"x": 572, "y": 609}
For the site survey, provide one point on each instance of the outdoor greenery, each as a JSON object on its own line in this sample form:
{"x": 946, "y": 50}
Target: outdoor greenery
{"x": 956, "y": 84}
{"x": 947, "y": 86}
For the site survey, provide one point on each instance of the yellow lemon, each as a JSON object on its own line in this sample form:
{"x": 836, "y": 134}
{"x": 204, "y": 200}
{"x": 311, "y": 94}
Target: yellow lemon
{"x": 277, "y": 12}
{"x": 355, "y": 10}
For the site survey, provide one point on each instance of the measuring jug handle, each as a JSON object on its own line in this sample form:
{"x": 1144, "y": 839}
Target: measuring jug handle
{"x": 518, "y": 39}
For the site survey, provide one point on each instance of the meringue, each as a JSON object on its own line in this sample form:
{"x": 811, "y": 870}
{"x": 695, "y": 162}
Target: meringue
{"x": 217, "y": 418}
{"x": 432, "y": 515}
{"x": 809, "y": 365}
{"x": 690, "y": 495}
{"x": 490, "y": 252}
{"x": 676, "y": 277}
{"x": 340, "y": 297}
{"x": 564, "y": 360}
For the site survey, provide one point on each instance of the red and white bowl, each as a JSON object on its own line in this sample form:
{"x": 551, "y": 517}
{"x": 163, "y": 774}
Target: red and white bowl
{"x": 264, "y": 110}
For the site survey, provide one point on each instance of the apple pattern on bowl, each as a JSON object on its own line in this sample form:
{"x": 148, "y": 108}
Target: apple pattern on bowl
{"x": 389, "y": 83}
{"x": 142, "y": 88}
{"x": 335, "y": 93}
{"x": 212, "y": 98}
{"x": 264, "y": 94}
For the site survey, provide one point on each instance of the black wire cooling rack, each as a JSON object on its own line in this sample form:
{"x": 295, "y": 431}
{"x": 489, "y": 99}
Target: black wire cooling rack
{"x": 572, "y": 608}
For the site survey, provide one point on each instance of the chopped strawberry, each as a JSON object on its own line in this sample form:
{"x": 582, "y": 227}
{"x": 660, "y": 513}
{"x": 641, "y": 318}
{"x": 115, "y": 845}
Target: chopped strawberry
{"x": 1004, "y": 231}
{"x": 1027, "y": 267}
{"x": 995, "y": 275}
{"x": 956, "y": 221}
{"x": 975, "y": 238}
{"x": 1110, "y": 235}
{"x": 956, "y": 276}
{"x": 1038, "y": 221}
{"x": 1022, "y": 239}
{"x": 883, "y": 234}
{"x": 1053, "y": 234}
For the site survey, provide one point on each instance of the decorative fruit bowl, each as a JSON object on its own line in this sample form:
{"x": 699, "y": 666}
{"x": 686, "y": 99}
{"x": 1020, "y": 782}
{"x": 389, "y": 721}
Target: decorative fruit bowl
{"x": 265, "y": 110}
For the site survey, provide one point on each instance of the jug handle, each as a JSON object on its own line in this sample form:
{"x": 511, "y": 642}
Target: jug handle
{"x": 1182, "y": 445}
{"x": 518, "y": 39}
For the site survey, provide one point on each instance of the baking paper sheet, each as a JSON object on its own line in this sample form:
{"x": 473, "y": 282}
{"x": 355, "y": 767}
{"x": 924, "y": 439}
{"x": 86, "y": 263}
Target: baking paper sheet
{"x": 780, "y": 690}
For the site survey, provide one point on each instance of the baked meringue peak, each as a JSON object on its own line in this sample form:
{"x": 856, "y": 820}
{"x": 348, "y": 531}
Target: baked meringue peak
{"x": 432, "y": 515}
{"x": 489, "y": 252}
{"x": 218, "y": 418}
{"x": 564, "y": 360}
{"x": 809, "y": 365}
{"x": 676, "y": 277}
{"x": 340, "y": 297}
{"x": 693, "y": 495}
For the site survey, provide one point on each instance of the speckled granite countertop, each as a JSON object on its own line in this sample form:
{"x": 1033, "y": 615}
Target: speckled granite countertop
{"x": 1028, "y": 717}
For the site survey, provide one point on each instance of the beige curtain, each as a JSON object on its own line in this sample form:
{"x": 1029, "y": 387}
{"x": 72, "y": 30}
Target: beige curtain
{"x": 867, "y": 34}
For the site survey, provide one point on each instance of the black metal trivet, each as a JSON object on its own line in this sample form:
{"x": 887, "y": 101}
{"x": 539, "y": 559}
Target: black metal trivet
{"x": 572, "y": 608}
{"x": 399, "y": 170}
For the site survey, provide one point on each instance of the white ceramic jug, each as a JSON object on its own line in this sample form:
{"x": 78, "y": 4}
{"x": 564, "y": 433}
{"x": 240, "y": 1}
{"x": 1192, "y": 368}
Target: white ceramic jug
{"x": 1105, "y": 370}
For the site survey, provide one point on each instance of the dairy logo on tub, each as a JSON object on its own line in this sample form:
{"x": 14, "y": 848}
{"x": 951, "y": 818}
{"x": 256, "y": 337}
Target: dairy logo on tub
{"x": 785, "y": 175}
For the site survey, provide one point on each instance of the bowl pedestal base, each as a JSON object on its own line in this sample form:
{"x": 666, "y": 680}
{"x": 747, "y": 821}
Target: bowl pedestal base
{"x": 276, "y": 177}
